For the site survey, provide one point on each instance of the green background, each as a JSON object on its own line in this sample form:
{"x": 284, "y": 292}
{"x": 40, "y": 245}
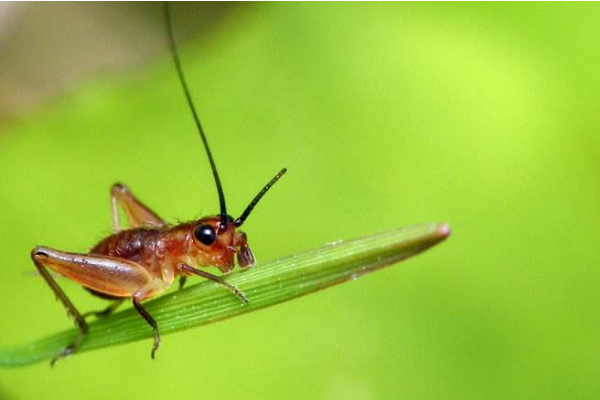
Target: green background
{"x": 484, "y": 116}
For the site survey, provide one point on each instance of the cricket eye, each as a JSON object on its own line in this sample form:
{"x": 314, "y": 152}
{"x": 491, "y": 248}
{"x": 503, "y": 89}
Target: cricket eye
{"x": 205, "y": 234}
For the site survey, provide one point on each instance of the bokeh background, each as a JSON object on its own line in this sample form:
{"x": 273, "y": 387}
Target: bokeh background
{"x": 484, "y": 116}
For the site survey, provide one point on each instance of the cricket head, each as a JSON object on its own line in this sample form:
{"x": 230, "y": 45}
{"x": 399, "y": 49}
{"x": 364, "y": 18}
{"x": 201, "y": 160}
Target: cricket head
{"x": 220, "y": 245}
{"x": 219, "y": 241}
{"x": 216, "y": 238}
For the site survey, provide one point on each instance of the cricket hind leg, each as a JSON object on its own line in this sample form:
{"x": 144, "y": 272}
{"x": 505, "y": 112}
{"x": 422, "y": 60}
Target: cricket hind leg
{"x": 39, "y": 257}
{"x": 138, "y": 214}
{"x": 107, "y": 276}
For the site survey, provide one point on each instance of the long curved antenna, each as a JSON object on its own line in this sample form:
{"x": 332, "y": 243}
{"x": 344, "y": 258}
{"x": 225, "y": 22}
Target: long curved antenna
{"x": 175, "y": 55}
{"x": 238, "y": 222}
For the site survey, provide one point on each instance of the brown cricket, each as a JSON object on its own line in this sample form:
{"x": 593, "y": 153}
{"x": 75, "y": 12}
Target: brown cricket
{"x": 143, "y": 261}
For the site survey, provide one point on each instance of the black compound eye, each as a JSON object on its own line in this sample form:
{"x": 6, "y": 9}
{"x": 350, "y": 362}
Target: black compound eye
{"x": 205, "y": 234}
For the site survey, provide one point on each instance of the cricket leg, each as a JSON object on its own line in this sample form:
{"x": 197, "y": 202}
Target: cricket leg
{"x": 39, "y": 259}
{"x": 107, "y": 275}
{"x": 182, "y": 280}
{"x": 138, "y": 214}
{"x": 107, "y": 311}
{"x": 187, "y": 270}
{"x": 151, "y": 289}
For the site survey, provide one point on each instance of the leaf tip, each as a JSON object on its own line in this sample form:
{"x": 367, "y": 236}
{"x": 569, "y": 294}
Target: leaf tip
{"x": 443, "y": 231}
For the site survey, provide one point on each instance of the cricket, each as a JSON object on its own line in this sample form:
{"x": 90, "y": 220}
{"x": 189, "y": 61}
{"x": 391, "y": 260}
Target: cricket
{"x": 142, "y": 261}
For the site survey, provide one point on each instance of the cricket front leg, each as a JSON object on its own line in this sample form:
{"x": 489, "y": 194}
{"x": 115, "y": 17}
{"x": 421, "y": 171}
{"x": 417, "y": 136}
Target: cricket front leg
{"x": 185, "y": 269}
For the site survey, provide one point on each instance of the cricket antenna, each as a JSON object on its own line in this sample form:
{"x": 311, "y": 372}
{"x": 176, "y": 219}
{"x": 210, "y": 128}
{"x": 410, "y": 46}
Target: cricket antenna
{"x": 238, "y": 222}
{"x": 175, "y": 56}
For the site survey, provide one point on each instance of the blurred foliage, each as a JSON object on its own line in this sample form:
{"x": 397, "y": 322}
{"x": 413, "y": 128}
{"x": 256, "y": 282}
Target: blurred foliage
{"x": 481, "y": 115}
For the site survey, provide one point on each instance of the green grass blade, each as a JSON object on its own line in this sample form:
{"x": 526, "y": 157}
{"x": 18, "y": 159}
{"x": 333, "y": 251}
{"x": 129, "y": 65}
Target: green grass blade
{"x": 264, "y": 285}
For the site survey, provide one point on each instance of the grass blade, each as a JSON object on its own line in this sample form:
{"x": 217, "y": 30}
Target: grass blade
{"x": 264, "y": 285}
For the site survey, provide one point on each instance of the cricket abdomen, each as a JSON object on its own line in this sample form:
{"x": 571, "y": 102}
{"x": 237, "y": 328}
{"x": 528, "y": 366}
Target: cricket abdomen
{"x": 138, "y": 245}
